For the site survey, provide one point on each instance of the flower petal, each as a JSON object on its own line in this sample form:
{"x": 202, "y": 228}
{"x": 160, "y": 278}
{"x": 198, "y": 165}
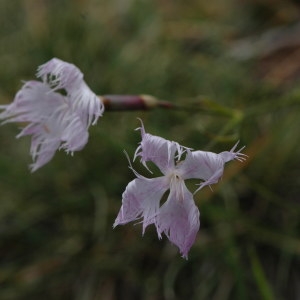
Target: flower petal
{"x": 141, "y": 199}
{"x": 158, "y": 150}
{"x": 231, "y": 155}
{"x": 74, "y": 134}
{"x": 62, "y": 129}
{"x": 62, "y": 75}
{"x": 42, "y": 152}
{"x": 59, "y": 74}
{"x": 179, "y": 217}
{"x": 33, "y": 103}
{"x": 207, "y": 166}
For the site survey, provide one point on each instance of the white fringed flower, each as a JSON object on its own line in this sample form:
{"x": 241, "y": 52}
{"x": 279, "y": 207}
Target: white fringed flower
{"x": 54, "y": 120}
{"x": 178, "y": 217}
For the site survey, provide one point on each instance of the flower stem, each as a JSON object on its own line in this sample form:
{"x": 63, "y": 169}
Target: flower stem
{"x": 133, "y": 102}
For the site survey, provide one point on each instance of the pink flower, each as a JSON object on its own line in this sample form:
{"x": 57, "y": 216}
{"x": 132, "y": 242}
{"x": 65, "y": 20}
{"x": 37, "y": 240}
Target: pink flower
{"x": 54, "y": 120}
{"x": 178, "y": 216}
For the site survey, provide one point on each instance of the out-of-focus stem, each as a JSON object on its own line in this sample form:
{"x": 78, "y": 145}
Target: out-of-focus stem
{"x": 148, "y": 102}
{"x": 133, "y": 102}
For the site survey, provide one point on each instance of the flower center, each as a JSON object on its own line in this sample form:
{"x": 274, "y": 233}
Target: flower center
{"x": 173, "y": 175}
{"x": 176, "y": 185}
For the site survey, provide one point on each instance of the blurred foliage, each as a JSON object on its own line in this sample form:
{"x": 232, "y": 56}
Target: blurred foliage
{"x": 56, "y": 236}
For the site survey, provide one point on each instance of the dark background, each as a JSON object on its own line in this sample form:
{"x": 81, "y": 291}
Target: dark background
{"x": 56, "y": 236}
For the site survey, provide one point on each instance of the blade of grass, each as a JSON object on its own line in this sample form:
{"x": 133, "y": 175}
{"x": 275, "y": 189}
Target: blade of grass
{"x": 259, "y": 275}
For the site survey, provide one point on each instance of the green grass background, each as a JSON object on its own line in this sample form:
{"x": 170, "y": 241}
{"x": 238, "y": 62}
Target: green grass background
{"x": 56, "y": 236}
